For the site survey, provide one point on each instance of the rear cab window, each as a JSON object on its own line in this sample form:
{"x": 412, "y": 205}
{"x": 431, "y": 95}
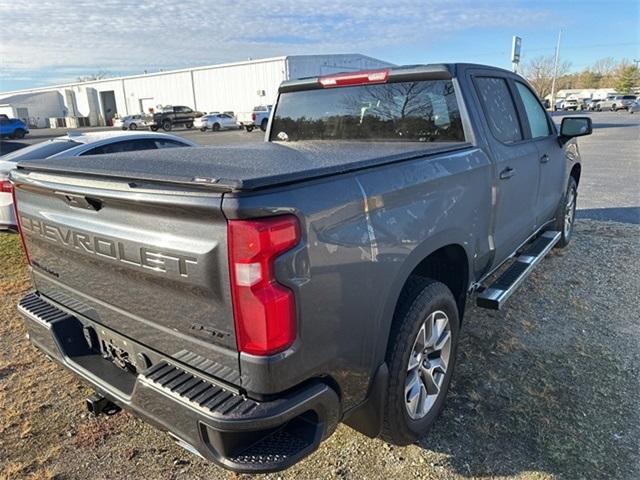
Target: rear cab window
{"x": 408, "y": 111}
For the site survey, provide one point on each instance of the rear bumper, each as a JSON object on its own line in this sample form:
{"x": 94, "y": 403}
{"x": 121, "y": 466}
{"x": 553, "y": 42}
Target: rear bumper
{"x": 207, "y": 417}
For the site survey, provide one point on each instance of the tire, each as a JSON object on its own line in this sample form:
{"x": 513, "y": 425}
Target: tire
{"x": 613, "y": 107}
{"x": 263, "y": 124}
{"x": 189, "y": 125}
{"x": 166, "y": 125}
{"x": 154, "y": 128}
{"x": 216, "y": 127}
{"x": 133, "y": 126}
{"x": 423, "y": 301}
{"x": 249, "y": 128}
{"x": 19, "y": 133}
{"x": 566, "y": 213}
{"x": 203, "y": 129}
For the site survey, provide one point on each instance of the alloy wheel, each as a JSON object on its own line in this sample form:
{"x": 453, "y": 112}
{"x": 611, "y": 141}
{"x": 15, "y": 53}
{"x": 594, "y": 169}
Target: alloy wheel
{"x": 427, "y": 366}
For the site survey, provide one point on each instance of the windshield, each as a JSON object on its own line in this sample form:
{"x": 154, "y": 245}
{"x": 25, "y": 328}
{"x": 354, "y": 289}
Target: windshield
{"x": 40, "y": 150}
{"x": 421, "y": 111}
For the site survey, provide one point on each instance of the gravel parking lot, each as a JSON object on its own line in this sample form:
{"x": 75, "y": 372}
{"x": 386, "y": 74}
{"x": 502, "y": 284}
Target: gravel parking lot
{"x": 547, "y": 388}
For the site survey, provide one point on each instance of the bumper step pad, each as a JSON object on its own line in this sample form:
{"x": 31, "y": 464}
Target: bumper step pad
{"x": 188, "y": 387}
{"x": 496, "y": 295}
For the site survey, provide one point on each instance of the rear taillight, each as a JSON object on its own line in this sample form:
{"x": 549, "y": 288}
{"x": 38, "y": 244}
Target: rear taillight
{"x": 357, "y": 78}
{"x": 6, "y": 186}
{"x": 253, "y": 117}
{"x": 15, "y": 210}
{"x": 264, "y": 310}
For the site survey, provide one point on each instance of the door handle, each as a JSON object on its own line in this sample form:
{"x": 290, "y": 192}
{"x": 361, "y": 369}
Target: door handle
{"x": 544, "y": 158}
{"x": 507, "y": 173}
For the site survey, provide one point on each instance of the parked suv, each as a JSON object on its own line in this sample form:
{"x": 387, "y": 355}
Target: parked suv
{"x": 617, "y": 102}
{"x": 12, "y": 127}
{"x": 174, "y": 116}
{"x": 248, "y": 298}
{"x": 570, "y": 105}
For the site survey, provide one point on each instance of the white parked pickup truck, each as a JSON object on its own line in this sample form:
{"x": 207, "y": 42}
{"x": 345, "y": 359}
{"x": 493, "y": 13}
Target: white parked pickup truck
{"x": 259, "y": 117}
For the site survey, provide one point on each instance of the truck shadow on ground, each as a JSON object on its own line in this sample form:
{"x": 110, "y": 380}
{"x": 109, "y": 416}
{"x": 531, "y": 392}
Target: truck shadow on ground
{"x": 535, "y": 391}
{"x": 617, "y": 214}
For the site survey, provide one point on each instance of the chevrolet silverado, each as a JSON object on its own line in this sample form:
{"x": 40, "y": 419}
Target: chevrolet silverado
{"x": 248, "y": 298}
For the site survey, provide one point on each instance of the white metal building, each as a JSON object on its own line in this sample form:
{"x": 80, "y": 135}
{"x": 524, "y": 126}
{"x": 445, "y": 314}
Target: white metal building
{"x": 33, "y": 108}
{"x": 234, "y": 87}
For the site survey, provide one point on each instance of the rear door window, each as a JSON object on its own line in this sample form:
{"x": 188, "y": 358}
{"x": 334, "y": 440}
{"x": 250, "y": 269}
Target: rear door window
{"x": 168, "y": 144}
{"x": 124, "y": 146}
{"x": 536, "y": 115}
{"x": 499, "y": 108}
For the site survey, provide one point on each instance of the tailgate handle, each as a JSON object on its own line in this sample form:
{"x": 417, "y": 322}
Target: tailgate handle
{"x": 80, "y": 201}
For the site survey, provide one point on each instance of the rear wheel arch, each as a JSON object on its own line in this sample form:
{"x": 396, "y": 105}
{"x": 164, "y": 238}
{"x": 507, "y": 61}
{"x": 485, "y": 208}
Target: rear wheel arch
{"x": 447, "y": 263}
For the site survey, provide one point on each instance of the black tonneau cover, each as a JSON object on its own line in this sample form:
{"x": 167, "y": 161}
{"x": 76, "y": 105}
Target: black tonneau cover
{"x": 242, "y": 167}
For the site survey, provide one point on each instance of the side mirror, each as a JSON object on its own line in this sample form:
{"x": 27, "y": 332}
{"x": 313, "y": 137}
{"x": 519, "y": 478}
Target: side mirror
{"x": 575, "y": 127}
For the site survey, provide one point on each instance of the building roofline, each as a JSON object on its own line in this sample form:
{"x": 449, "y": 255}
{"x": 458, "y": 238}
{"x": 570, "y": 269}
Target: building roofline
{"x": 152, "y": 74}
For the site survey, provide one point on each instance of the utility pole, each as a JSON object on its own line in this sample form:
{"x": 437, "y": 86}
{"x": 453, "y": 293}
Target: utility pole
{"x": 555, "y": 73}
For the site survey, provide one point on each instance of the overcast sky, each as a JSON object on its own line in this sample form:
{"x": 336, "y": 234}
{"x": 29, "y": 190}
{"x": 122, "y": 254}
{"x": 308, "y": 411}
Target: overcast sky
{"x": 46, "y": 42}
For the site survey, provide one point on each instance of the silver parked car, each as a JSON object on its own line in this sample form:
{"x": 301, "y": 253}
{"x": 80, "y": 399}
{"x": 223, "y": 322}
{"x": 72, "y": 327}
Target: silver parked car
{"x": 76, "y": 145}
{"x": 215, "y": 121}
{"x": 132, "y": 122}
{"x": 634, "y": 107}
{"x": 617, "y": 102}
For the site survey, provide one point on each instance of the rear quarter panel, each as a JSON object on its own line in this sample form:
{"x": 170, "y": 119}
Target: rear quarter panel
{"x": 363, "y": 234}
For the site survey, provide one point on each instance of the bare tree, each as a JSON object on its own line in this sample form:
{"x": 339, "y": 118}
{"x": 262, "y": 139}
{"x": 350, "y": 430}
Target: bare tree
{"x": 101, "y": 75}
{"x": 604, "y": 66}
{"x": 539, "y": 71}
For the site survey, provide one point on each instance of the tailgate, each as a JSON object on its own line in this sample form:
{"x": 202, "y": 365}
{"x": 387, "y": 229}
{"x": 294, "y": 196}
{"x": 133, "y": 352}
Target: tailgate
{"x": 148, "y": 262}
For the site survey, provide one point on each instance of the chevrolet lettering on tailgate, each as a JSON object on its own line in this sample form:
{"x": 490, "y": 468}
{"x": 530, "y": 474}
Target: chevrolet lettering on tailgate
{"x": 143, "y": 257}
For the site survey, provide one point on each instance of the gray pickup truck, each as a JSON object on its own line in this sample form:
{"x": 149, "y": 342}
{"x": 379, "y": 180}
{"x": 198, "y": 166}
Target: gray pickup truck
{"x": 248, "y": 298}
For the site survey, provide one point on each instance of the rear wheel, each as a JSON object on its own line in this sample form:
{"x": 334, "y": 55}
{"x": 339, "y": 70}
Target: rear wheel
{"x": 203, "y": 129}
{"x": 420, "y": 357}
{"x": 154, "y": 128}
{"x": 249, "y": 128}
{"x": 216, "y": 127}
{"x": 566, "y": 214}
{"x": 166, "y": 125}
{"x": 263, "y": 125}
{"x": 19, "y": 133}
{"x": 133, "y": 126}
{"x": 189, "y": 125}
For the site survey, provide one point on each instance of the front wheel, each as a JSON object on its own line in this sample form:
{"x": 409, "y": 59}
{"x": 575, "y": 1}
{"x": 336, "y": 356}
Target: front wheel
{"x": 263, "y": 125}
{"x": 166, "y": 125}
{"x": 189, "y": 125}
{"x": 249, "y": 128}
{"x": 566, "y": 214}
{"x": 154, "y": 128}
{"x": 216, "y": 127}
{"x": 420, "y": 357}
{"x": 133, "y": 126}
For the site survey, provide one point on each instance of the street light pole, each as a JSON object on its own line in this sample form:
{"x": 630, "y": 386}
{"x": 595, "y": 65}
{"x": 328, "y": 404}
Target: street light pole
{"x": 555, "y": 73}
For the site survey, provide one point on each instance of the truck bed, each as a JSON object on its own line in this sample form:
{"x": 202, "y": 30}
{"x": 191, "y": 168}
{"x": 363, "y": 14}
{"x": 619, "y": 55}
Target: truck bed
{"x": 243, "y": 167}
